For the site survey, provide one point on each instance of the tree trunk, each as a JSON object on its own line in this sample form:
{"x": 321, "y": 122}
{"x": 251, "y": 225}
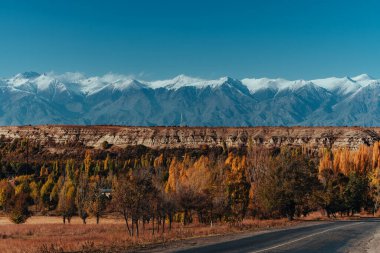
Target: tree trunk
{"x": 137, "y": 228}
{"x": 163, "y": 224}
{"x": 153, "y": 224}
{"x": 64, "y": 219}
{"x": 126, "y": 222}
{"x": 97, "y": 218}
{"x": 211, "y": 218}
{"x": 158, "y": 224}
{"x": 132, "y": 226}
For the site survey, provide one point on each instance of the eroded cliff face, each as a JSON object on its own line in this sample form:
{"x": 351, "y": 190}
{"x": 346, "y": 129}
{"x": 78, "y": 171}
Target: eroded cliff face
{"x": 194, "y": 137}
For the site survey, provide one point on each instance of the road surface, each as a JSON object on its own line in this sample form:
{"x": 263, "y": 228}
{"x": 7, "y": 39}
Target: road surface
{"x": 339, "y": 236}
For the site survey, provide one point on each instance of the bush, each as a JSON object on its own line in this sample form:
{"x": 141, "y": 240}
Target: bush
{"x": 105, "y": 145}
{"x": 19, "y": 211}
{"x": 50, "y": 249}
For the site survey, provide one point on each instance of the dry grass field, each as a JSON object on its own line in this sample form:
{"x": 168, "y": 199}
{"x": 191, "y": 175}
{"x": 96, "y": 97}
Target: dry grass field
{"x": 48, "y": 234}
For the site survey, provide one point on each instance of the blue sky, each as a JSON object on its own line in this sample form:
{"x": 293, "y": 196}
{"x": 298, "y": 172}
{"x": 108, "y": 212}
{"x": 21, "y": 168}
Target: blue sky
{"x": 161, "y": 39}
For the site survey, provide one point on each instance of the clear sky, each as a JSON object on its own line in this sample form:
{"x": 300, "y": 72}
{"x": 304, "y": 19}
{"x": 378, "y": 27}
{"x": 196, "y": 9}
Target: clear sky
{"x": 204, "y": 38}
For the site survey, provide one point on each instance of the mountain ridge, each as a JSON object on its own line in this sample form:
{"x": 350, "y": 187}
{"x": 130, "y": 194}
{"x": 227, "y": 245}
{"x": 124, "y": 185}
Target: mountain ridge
{"x": 73, "y": 98}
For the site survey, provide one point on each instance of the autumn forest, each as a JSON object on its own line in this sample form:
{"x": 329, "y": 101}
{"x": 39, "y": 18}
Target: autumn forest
{"x": 204, "y": 185}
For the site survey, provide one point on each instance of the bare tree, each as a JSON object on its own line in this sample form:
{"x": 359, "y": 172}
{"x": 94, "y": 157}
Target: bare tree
{"x": 132, "y": 197}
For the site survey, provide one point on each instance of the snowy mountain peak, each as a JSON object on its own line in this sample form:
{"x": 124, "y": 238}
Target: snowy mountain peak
{"x": 175, "y": 83}
{"x": 229, "y": 80}
{"x": 79, "y": 83}
{"x": 183, "y": 78}
{"x": 73, "y": 98}
{"x": 29, "y": 75}
{"x": 362, "y": 77}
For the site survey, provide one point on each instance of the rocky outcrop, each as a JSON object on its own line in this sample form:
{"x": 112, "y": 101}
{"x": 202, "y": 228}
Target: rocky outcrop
{"x": 194, "y": 137}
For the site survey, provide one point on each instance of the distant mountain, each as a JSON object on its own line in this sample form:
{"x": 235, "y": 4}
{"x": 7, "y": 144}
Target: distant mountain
{"x": 72, "y": 98}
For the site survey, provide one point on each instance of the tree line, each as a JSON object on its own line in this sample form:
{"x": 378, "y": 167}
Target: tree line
{"x": 215, "y": 185}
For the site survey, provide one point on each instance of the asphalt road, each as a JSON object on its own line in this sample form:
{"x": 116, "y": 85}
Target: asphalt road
{"x": 339, "y": 236}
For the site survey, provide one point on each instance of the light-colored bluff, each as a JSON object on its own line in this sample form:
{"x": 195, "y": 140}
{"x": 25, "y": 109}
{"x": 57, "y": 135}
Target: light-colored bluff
{"x": 194, "y": 137}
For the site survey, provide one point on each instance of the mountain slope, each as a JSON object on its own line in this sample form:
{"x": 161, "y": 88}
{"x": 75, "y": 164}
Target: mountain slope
{"x": 72, "y": 98}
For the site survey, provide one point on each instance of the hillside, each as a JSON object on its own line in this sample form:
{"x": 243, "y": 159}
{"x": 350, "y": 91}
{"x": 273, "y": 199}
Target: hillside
{"x": 192, "y": 137}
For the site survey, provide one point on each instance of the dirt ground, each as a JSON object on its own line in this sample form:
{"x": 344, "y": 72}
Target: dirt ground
{"x": 48, "y": 234}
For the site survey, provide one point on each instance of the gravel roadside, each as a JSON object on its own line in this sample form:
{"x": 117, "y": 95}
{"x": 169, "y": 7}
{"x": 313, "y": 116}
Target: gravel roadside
{"x": 203, "y": 241}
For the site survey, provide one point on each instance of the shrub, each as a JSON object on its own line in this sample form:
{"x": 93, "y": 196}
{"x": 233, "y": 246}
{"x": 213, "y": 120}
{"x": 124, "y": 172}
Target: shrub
{"x": 105, "y": 145}
{"x": 19, "y": 211}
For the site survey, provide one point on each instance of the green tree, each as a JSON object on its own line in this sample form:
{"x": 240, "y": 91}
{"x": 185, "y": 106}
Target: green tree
{"x": 331, "y": 194}
{"x": 288, "y": 186}
{"x": 356, "y": 192}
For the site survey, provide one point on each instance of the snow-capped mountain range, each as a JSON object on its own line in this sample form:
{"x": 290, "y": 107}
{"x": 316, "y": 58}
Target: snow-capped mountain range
{"x": 73, "y": 98}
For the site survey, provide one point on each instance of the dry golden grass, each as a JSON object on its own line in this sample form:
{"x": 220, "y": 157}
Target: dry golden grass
{"x": 321, "y": 216}
{"x": 48, "y": 234}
